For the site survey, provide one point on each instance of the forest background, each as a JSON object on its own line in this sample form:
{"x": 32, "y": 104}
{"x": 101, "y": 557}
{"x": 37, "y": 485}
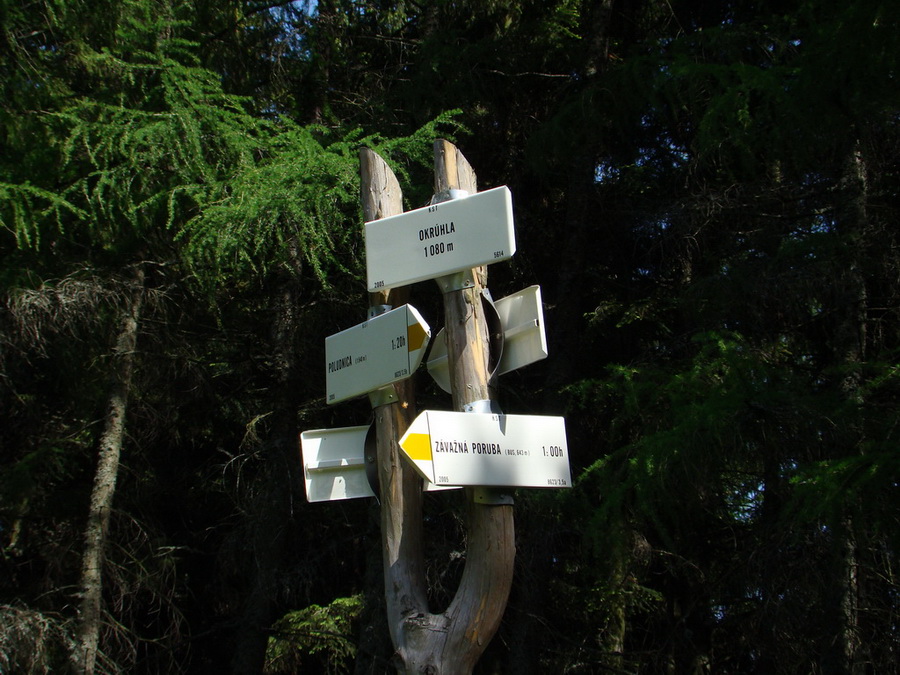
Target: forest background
{"x": 707, "y": 193}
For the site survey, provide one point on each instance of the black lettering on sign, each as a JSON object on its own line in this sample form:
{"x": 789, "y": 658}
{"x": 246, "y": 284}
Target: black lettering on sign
{"x": 451, "y": 446}
{"x": 339, "y": 364}
{"x": 437, "y": 230}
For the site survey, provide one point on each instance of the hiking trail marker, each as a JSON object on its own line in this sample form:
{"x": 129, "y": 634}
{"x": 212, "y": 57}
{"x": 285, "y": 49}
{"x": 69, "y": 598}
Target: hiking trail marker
{"x": 440, "y": 239}
{"x": 524, "y": 338}
{"x": 485, "y": 449}
{"x": 486, "y": 452}
{"x": 448, "y": 449}
{"x": 334, "y": 465}
{"x": 371, "y": 355}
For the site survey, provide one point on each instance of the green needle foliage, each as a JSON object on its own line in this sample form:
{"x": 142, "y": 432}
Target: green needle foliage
{"x": 315, "y": 636}
{"x": 155, "y": 153}
{"x": 299, "y": 198}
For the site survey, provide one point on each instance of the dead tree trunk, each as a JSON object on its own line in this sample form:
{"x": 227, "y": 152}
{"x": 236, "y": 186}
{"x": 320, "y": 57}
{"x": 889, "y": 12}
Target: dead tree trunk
{"x": 451, "y": 642}
{"x": 90, "y": 613}
{"x": 400, "y": 485}
{"x": 476, "y": 610}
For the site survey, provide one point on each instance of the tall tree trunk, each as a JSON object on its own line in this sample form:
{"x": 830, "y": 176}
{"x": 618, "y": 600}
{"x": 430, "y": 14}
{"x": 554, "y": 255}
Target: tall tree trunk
{"x": 848, "y": 354}
{"x": 326, "y": 36}
{"x": 581, "y": 225}
{"x": 110, "y": 450}
{"x": 612, "y": 638}
{"x": 401, "y": 488}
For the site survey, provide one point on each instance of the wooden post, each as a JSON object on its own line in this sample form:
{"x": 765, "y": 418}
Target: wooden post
{"x": 448, "y": 643}
{"x": 399, "y": 484}
{"x": 480, "y": 601}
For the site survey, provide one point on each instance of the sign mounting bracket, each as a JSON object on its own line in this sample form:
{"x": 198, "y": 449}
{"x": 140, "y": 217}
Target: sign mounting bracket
{"x": 492, "y": 496}
{"x": 456, "y": 281}
{"x": 384, "y": 396}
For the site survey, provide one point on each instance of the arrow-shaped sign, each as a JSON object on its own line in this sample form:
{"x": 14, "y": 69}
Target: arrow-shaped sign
{"x": 440, "y": 239}
{"x": 524, "y": 338}
{"x": 334, "y": 464}
{"x": 451, "y": 448}
{"x": 374, "y": 354}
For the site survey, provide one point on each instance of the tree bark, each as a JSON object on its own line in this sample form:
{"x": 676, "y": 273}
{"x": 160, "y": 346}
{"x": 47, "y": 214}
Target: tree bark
{"x": 849, "y": 354}
{"x": 451, "y": 642}
{"x": 400, "y": 486}
{"x": 87, "y": 634}
{"x": 477, "y": 608}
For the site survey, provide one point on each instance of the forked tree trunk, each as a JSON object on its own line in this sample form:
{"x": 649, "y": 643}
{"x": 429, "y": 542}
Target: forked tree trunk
{"x": 90, "y": 613}
{"x": 451, "y": 642}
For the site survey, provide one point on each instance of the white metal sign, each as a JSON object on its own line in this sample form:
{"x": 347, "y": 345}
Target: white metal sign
{"x": 524, "y": 337}
{"x": 453, "y": 448}
{"x": 334, "y": 465}
{"x": 440, "y": 239}
{"x": 373, "y": 354}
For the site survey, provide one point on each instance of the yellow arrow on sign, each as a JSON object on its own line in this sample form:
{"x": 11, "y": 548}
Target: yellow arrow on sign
{"x": 417, "y": 447}
{"x": 374, "y": 354}
{"x": 416, "y": 335}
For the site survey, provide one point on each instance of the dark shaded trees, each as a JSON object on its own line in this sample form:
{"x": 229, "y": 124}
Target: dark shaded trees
{"x": 148, "y": 164}
{"x": 752, "y": 318}
{"x": 706, "y": 193}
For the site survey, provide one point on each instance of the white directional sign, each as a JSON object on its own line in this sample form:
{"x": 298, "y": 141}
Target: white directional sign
{"x": 440, "y": 239}
{"x": 334, "y": 465}
{"x": 451, "y": 448}
{"x": 524, "y": 338}
{"x": 371, "y": 355}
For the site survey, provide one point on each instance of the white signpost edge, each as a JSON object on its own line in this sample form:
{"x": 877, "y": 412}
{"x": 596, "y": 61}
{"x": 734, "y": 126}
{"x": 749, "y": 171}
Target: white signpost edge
{"x": 372, "y": 350}
{"x": 524, "y": 336}
{"x": 489, "y": 450}
{"x": 334, "y": 464}
{"x": 440, "y": 239}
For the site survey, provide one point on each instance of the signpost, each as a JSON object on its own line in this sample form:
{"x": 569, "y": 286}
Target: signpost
{"x": 449, "y": 241}
{"x": 334, "y": 464}
{"x": 374, "y": 354}
{"x": 484, "y": 449}
{"x": 524, "y": 338}
{"x": 440, "y": 239}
